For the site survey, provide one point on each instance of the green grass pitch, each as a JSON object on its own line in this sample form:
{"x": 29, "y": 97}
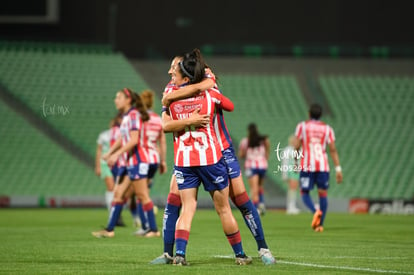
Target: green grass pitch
{"x": 59, "y": 241}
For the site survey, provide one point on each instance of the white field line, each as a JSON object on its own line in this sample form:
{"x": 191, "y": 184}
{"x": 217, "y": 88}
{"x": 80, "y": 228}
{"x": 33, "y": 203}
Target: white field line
{"x": 338, "y": 266}
{"x": 346, "y": 267}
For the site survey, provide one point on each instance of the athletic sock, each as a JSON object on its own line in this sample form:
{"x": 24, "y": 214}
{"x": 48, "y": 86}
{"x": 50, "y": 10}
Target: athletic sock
{"x": 114, "y": 215}
{"x": 235, "y": 242}
{"x": 181, "y": 240}
{"x": 251, "y": 218}
{"x": 171, "y": 213}
{"x": 109, "y": 196}
{"x": 307, "y": 200}
{"x": 141, "y": 215}
{"x": 323, "y": 205}
{"x": 261, "y": 195}
{"x": 291, "y": 198}
{"x": 149, "y": 211}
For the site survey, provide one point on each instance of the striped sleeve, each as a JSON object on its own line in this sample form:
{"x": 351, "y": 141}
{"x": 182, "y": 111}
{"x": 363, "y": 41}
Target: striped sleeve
{"x": 299, "y": 130}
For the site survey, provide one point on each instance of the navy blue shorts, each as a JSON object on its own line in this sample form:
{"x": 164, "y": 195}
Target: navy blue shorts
{"x": 214, "y": 177}
{"x": 232, "y": 163}
{"x": 114, "y": 171}
{"x": 309, "y": 179}
{"x": 254, "y": 171}
{"x": 134, "y": 172}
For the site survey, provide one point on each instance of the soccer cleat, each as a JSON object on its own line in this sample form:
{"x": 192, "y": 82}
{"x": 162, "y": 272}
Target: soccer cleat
{"x": 141, "y": 232}
{"x": 136, "y": 222}
{"x": 151, "y": 234}
{"x": 178, "y": 260}
{"x": 261, "y": 209}
{"x": 103, "y": 234}
{"x": 319, "y": 228}
{"x": 292, "y": 211}
{"x": 243, "y": 260}
{"x": 316, "y": 219}
{"x": 266, "y": 256}
{"x": 165, "y": 258}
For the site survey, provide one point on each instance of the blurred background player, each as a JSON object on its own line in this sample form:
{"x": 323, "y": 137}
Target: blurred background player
{"x": 102, "y": 169}
{"x": 131, "y": 146}
{"x": 313, "y": 136}
{"x": 255, "y": 150}
{"x": 157, "y": 151}
{"x": 290, "y": 173}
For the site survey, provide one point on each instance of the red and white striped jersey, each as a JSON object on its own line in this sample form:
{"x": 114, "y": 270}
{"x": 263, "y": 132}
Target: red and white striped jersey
{"x": 315, "y": 135}
{"x": 115, "y": 134}
{"x": 153, "y": 129}
{"x": 220, "y": 126}
{"x": 130, "y": 122}
{"x": 255, "y": 156}
{"x": 197, "y": 146}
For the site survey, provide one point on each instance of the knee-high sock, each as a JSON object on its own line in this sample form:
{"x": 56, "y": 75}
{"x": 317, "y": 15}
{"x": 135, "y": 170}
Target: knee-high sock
{"x": 261, "y": 195}
{"x": 307, "y": 200}
{"x": 149, "y": 211}
{"x": 141, "y": 215}
{"x": 235, "y": 242}
{"x": 114, "y": 215}
{"x": 171, "y": 213}
{"x": 291, "y": 199}
{"x": 251, "y": 218}
{"x": 323, "y": 205}
{"x": 181, "y": 237}
{"x": 109, "y": 196}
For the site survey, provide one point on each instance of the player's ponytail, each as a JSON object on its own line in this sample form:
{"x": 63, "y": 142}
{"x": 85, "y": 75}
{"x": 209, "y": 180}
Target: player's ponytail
{"x": 193, "y": 66}
{"x": 147, "y": 97}
{"x": 254, "y": 137}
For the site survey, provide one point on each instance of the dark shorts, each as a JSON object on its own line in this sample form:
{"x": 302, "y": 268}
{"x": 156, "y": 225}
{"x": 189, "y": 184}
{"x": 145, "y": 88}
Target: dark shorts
{"x": 251, "y": 172}
{"x": 308, "y": 179}
{"x": 232, "y": 163}
{"x": 213, "y": 177}
{"x": 134, "y": 172}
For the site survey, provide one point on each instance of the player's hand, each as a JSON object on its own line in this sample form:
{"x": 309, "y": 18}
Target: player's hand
{"x": 166, "y": 101}
{"x": 208, "y": 71}
{"x": 198, "y": 120}
{"x": 112, "y": 160}
{"x": 105, "y": 157}
{"x": 163, "y": 167}
{"x": 339, "y": 177}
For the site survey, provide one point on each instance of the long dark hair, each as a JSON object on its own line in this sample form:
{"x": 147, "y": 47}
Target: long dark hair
{"x": 254, "y": 138}
{"x": 116, "y": 120}
{"x": 192, "y": 66}
{"x": 136, "y": 102}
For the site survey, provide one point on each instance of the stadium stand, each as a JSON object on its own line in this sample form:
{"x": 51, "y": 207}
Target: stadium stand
{"x": 33, "y": 164}
{"x": 71, "y": 88}
{"x": 273, "y": 102}
{"x": 373, "y": 118}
